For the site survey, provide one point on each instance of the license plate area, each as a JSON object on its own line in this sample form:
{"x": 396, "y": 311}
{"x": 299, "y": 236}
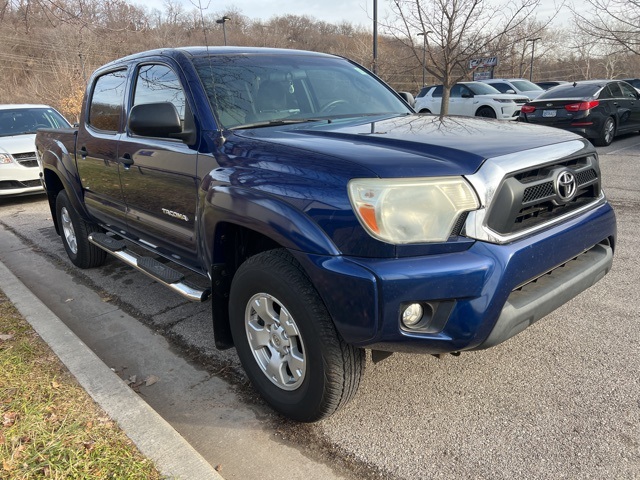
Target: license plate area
{"x": 548, "y": 113}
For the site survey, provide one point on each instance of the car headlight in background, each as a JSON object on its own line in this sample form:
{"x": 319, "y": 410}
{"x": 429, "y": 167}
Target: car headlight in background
{"x": 416, "y": 210}
{"x": 5, "y": 158}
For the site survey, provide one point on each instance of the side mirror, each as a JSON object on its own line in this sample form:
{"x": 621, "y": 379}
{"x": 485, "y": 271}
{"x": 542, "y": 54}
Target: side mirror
{"x": 511, "y": 91}
{"x": 155, "y": 120}
{"x": 407, "y": 97}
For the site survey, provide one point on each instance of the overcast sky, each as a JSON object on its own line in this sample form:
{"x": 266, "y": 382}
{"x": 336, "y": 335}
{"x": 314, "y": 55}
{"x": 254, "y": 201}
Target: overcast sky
{"x": 332, "y": 11}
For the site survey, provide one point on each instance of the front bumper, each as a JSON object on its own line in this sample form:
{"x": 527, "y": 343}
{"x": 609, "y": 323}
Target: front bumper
{"x": 481, "y": 296}
{"x": 18, "y": 180}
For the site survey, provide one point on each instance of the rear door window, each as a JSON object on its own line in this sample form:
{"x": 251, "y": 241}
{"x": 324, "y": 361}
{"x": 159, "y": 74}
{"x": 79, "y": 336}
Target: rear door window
{"x": 615, "y": 90}
{"x": 107, "y": 100}
{"x": 627, "y": 91}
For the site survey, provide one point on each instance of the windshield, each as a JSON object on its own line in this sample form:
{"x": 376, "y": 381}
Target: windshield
{"x": 481, "y": 88}
{"x": 21, "y": 121}
{"x": 248, "y": 90}
{"x": 525, "y": 85}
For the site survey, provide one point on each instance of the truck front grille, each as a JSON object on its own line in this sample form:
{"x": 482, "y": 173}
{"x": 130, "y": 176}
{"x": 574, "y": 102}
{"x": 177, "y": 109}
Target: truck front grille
{"x": 532, "y": 197}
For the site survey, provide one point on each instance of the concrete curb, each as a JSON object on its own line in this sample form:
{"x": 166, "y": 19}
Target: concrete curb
{"x": 155, "y": 438}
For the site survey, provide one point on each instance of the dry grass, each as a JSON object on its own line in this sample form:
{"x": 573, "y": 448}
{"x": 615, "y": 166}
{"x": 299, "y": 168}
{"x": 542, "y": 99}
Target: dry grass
{"x": 49, "y": 426}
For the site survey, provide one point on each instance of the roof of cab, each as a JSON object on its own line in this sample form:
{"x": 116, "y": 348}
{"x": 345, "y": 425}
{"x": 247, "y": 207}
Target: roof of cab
{"x": 204, "y": 51}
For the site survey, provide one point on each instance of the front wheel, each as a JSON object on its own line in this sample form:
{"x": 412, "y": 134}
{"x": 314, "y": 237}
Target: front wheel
{"x": 75, "y": 232}
{"x": 486, "y": 112}
{"x": 607, "y": 133}
{"x": 287, "y": 342}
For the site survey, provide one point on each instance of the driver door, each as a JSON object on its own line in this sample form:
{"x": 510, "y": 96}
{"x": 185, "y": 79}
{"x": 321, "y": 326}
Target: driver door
{"x": 159, "y": 174}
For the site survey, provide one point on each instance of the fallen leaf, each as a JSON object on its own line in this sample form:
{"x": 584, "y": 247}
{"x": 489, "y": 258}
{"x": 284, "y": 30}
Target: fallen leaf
{"x": 9, "y": 419}
{"x": 151, "y": 379}
{"x": 55, "y": 384}
{"x": 218, "y": 467}
{"x": 6, "y": 466}
{"x": 88, "y": 445}
{"x": 132, "y": 378}
{"x": 5, "y": 337}
{"x": 68, "y": 300}
{"x": 2, "y": 440}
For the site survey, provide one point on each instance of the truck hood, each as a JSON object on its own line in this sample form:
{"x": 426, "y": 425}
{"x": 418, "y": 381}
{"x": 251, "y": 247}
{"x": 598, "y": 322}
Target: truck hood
{"x": 412, "y": 145}
{"x": 18, "y": 144}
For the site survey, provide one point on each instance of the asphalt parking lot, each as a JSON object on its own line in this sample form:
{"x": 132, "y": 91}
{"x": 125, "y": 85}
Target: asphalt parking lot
{"x": 560, "y": 400}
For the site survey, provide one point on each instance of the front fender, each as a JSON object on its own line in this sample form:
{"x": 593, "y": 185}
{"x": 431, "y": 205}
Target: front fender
{"x": 265, "y": 214}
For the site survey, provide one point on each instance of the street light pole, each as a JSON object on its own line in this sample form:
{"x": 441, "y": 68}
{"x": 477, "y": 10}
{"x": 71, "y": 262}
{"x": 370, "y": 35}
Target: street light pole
{"x": 375, "y": 36}
{"x": 223, "y": 20}
{"x": 424, "y": 54}
{"x": 533, "y": 49}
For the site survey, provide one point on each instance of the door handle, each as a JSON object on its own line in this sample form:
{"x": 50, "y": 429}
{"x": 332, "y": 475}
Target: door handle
{"x": 83, "y": 152}
{"x": 126, "y": 160}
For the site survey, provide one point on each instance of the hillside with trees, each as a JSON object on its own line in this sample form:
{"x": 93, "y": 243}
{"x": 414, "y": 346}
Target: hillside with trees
{"x": 50, "y": 47}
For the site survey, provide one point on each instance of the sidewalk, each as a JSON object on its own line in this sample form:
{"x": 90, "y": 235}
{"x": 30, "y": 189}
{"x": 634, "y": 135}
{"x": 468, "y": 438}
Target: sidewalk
{"x": 155, "y": 438}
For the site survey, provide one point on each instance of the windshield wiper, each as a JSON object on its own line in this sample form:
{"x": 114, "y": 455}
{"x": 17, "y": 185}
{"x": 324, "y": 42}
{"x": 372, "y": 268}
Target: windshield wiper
{"x": 284, "y": 121}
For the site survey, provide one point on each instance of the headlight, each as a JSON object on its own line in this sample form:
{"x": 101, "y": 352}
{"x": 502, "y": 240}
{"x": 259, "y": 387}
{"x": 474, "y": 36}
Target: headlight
{"x": 416, "y": 210}
{"x": 502, "y": 100}
{"x": 5, "y": 158}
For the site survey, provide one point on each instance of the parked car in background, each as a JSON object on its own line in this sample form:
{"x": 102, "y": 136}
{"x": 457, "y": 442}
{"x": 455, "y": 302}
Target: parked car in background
{"x": 634, "y": 82}
{"x": 472, "y": 99}
{"x": 19, "y": 172}
{"x": 546, "y": 85}
{"x": 596, "y": 109}
{"x": 515, "y": 85}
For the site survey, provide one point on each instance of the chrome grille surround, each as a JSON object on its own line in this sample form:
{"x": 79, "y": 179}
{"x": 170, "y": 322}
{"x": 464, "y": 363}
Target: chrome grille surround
{"x": 490, "y": 178}
{"x": 27, "y": 159}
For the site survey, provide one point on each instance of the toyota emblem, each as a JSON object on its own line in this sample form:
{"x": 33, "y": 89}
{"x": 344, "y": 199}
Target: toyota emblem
{"x": 566, "y": 185}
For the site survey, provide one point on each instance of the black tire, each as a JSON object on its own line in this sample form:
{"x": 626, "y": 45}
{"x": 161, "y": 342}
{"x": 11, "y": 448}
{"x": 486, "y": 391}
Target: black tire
{"x": 75, "y": 232}
{"x": 607, "y": 132}
{"x": 486, "y": 112}
{"x": 330, "y": 370}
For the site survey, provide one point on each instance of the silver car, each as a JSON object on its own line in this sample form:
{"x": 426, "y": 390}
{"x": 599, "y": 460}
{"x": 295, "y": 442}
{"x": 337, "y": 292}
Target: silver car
{"x": 19, "y": 172}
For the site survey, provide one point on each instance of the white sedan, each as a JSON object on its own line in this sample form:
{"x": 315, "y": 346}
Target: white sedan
{"x": 19, "y": 172}
{"x": 472, "y": 99}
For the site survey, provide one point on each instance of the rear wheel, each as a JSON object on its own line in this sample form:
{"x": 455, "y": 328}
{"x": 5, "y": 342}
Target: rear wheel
{"x": 607, "y": 133}
{"x": 486, "y": 112}
{"x": 75, "y": 232}
{"x": 287, "y": 342}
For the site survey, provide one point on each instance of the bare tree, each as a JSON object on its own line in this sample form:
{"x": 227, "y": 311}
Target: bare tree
{"x": 613, "y": 22}
{"x": 457, "y": 31}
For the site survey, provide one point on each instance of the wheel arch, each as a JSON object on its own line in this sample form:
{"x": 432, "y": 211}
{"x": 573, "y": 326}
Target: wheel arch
{"x": 58, "y": 175}
{"x": 238, "y": 224}
{"x": 486, "y": 106}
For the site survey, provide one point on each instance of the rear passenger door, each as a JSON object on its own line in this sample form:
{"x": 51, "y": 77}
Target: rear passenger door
{"x": 456, "y": 102}
{"x": 97, "y": 148}
{"x": 159, "y": 181}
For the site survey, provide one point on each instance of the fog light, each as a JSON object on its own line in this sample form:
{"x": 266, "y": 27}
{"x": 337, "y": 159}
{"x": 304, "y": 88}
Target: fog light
{"x": 412, "y": 314}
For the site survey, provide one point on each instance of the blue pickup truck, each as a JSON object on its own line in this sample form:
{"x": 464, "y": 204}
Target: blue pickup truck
{"x": 323, "y": 214}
